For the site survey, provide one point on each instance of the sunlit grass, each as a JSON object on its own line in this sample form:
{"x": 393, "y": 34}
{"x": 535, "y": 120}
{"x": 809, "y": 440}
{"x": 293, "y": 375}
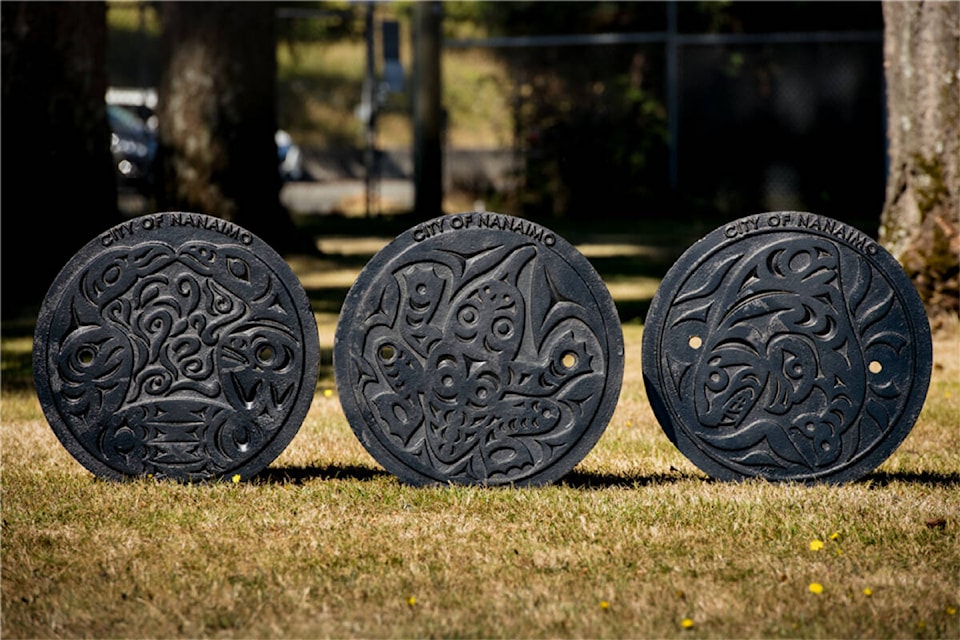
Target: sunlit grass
{"x": 477, "y": 93}
{"x": 131, "y": 16}
{"x": 321, "y": 88}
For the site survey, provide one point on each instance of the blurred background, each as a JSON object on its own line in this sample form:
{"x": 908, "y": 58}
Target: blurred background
{"x": 293, "y": 116}
{"x": 576, "y": 109}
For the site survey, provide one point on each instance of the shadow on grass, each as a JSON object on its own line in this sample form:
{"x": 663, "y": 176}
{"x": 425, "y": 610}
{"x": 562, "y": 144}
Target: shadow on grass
{"x": 340, "y": 225}
{"x": 633, "y": 310}
{"x": 326, "y": 299}
{"x": 879, "y": 479}
{"x": 927, "y": 478}
{"x": 575, "y": 480}
{"x": 589, "y": 480}
{"x": 18, "y": 371}
{"x": 301, "y": 475}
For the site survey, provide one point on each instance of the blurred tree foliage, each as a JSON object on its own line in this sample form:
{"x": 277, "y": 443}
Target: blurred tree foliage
{"x": 329, "y": 21}
{"x": 591, "y": 122}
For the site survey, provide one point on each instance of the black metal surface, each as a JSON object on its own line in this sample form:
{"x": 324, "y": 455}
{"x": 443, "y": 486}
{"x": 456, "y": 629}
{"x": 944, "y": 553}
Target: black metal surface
{"x": 787, "y": 346}
{"x": 175, "y": 345}
{"x": 478, "y": 348}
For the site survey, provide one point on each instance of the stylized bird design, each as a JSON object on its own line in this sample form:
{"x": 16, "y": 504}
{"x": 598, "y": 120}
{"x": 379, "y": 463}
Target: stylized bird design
{"x": 461, "y": 372}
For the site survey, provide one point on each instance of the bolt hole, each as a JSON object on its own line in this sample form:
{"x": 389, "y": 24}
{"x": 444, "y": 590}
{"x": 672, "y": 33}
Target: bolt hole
{"x": 695, "y": 342}
{"x": 265, "y": 354}
{"x": 387, "y": 352}
{"x": 86, "y": 356}
{"x": 875, "y": 367}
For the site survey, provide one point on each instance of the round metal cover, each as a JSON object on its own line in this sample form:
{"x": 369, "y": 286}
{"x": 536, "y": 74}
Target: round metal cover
{"x": 175, "y": 345}
{"x": 787, "y": 346}
{"x": 478, "y": 348}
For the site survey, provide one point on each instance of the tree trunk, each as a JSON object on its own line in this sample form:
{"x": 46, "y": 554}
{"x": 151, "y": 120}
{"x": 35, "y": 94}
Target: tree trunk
{"x": 920, "y": 224}
{"x": 59, "y": 187}
{"x": 217, "y": 117}
{"x": 427, "y": 111}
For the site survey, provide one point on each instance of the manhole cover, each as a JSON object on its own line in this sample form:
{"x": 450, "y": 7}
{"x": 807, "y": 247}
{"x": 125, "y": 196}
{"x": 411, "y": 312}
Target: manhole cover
{"x": 478, "y": 348}
{"x": 175, "y": 345}
{"x": 786, "y": 346}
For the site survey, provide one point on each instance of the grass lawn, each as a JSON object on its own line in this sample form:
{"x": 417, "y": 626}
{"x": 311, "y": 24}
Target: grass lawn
{"x": 635, "y": 543}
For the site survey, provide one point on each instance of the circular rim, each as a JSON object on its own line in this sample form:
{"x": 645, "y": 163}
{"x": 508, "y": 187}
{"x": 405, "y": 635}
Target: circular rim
{"x": 361, "y": 416}
{"x": 771, "y": 224}
{"x": 152, "y": 228}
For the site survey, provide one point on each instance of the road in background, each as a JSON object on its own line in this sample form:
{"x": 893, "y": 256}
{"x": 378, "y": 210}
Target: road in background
{"x": 335, "y": 181}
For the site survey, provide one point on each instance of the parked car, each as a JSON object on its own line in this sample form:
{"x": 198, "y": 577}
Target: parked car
{"x": 134, "y": 147}
{"x": 133, "y": 121}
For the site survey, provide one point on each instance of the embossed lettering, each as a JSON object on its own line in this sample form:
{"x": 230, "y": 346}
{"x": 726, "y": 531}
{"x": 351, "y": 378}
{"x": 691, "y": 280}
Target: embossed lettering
{"x": 219, "y": 225}
{"x": 848, "y": 234}
{"x": 516, "y": 225}
{"x": 429, "y": 230}
{"x": 117, "y": 233}
{"x": 741, "y": 227}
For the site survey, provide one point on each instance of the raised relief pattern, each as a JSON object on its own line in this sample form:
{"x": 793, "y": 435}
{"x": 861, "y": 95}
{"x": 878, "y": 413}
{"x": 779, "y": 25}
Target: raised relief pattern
{"x": 477, "y": 366}
{"x": 179, "y": 362}
{"x": 787, "y": 359}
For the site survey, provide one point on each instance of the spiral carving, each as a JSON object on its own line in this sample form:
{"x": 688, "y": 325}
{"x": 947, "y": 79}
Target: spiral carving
{"x": 181, "y": 361}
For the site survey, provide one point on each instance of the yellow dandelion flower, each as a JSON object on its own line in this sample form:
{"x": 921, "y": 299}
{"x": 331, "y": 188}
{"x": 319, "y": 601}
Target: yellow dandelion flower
{"x": 834, "y": 535}
{"x": 816, "y": 587}
{"x": 816, "y": 545}
{"x": 839, "y": 552}
{"x": 951, "y": 611}
{"x": 686, "y": 623}
{"x": 604, "y": 605}
{"x": 236, "y": 478}
{"x": 629, "y": 424}
{"x": 327, "y": 393}
{"x": 868, "y": 592}
{"x": 411, "y": 601}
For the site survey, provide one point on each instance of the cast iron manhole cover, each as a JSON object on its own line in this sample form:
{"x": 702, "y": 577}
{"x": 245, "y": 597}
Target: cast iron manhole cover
{"x": 478, "y": 348}
{"x": 786, "y": 346}
{"x": 175, "y": 345}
